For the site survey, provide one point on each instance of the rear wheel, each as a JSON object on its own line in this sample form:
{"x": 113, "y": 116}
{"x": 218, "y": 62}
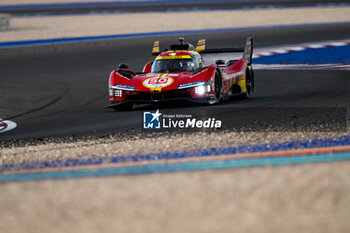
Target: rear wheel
{"x": 249, "y": 82}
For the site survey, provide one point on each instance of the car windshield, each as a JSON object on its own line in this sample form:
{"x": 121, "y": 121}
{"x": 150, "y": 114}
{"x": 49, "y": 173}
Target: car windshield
{"x": 172, "y": 65}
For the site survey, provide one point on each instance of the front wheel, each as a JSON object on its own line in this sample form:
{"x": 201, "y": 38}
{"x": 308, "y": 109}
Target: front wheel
{"x": 217, "y": 89}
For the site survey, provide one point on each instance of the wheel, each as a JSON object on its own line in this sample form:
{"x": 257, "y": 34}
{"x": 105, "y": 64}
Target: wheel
{"x": 217, "y": 90}
{"x": 249, "y": 82}
{"x": 252, "y": 80}
{"x": 123, "y": 107}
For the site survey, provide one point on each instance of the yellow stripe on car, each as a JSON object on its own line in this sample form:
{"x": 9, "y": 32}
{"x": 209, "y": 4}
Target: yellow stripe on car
{"x": 242, "y": 83}
{"x": 174, "y": 57}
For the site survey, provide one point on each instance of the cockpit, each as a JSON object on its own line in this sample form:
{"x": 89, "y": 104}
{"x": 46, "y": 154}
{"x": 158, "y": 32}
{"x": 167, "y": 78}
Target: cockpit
{"x": 170, "y": 65}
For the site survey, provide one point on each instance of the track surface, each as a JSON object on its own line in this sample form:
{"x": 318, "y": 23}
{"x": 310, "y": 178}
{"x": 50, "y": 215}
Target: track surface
{"x": 61, "y": 90}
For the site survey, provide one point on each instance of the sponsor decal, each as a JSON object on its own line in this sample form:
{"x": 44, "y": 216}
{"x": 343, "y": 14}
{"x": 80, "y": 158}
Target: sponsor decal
{"x": 157, "y": 120}
{"x": 173, "y": 75}
{"x": 158, "y": 82}
{"x": 186, "y": 85}
{"x": 124, "y": 87}
{"x": 174, "y": 57}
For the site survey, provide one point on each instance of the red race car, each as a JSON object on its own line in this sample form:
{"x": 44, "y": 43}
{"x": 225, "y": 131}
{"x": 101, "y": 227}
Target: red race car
{"x": 181, "y": 74}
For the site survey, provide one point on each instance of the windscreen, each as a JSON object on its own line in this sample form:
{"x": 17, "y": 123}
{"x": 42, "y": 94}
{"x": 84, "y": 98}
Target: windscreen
{"x": 172, "y": 65}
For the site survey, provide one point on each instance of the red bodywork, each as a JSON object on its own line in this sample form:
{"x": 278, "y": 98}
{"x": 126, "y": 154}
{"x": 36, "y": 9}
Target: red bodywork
{"x": 157, "y": 87}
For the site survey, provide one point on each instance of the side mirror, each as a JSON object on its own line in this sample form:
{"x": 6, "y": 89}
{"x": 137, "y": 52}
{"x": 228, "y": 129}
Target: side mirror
{"x": 220, "y": 62}
{"x": 123, "y": 66}
{"x": 231, "y": 62}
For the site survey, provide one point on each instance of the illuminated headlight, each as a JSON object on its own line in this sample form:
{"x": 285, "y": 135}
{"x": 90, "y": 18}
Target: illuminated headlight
{"x": 115, "y": 92}
{"x": 118, "y": 93}
{"x": 208, "y": 88}
{"x": 202, "y": 89}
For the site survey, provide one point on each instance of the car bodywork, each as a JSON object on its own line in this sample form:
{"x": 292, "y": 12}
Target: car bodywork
{"x": 181, "y": 74}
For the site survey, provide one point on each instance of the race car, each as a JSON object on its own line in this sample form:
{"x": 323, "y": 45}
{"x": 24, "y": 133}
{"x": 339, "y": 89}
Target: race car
{"x": 180, "y": 73}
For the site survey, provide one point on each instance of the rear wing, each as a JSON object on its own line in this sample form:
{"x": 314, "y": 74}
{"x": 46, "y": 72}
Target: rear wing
{"x": 155, "y": 50}
{"x": 247, "y": 50}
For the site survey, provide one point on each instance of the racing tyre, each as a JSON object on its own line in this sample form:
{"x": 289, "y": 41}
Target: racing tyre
{"x": 249, "y": 81}
{"x": 217, "y": 89}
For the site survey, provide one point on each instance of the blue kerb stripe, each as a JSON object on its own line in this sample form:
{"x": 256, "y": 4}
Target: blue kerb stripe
{"x": 188, "y": 166}
{"x": 195, "y": 153}
{"x": 104, "y": 3}
{"x": 167, "y": 33}
{"x": 326, "y": 55}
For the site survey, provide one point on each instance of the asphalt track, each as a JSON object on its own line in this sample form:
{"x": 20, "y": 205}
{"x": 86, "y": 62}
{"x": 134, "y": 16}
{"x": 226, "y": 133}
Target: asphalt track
{"x": 70, "y": 80}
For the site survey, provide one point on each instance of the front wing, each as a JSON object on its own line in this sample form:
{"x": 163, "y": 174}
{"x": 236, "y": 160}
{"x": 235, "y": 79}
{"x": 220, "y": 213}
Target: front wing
{"x": 193, "y": 94}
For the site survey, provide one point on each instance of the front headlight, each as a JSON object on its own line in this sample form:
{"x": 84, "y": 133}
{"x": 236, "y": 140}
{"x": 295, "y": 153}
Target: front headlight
{"x": 118, "y": 93}
{"x": 202, "y": 89}
{"x": 115, "y": 92}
